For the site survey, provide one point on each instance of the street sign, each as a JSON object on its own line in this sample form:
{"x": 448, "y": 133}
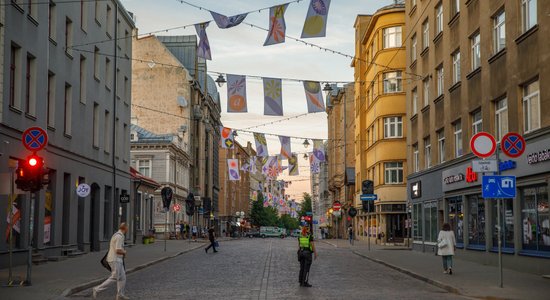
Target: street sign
{"x": 83, "y": 190}
{"x": 201, "y": 210}
{"x": 309, "y": 213}
{"x": 34, "y": 139}
{"x": 176, "y": 207}
{"x": 369, "y": 197}
{"x": 483, "y": 144}
{"x": 124, "y": 198}
{"x": 485, "y": 165}
{"x": 498, "y": 187}
{"x": 512, "y": 144}
{"x": 336, "y": 206}
{"x": 337, "y": 213}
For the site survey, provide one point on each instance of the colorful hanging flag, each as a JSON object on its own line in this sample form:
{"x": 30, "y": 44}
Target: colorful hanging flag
{"x": 233, "y": 169}
{"x": 227, "y": 140}
{"x": 252, "y": 162}
{"x": 261, "y": 145}
{"x": 203, "y": 49}
{"x": 236, "y": 94}
{"x": 314, "y": 96}
{"x": 318, "y": 151}
{"x": 285, "y": 147}
{"x": 225, "y": 22}
{"x": 314, "y": 165}
{"x": 245, "y": 167}
{"x": 316, "y": 19}
{"x": 277, "y": 25}
{"x": 273, "y": 97}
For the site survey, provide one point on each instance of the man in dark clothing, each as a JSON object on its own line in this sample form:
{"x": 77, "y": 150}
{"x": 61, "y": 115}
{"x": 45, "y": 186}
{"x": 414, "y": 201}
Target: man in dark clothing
{"x": 305, "y": 257}
{"x": 212, "y": 240}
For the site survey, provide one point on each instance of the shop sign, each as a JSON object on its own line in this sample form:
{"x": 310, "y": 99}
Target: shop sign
{"x": 416, "y": 190}
{"x": 471, "y": 176}
{"x": 507, "y": 165}
{"x": 454, "y": 178}
{"x": 538, "y": 157}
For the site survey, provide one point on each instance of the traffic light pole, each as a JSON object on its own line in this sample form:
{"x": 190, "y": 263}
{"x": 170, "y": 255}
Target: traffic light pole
{"x": 31, "y": 233}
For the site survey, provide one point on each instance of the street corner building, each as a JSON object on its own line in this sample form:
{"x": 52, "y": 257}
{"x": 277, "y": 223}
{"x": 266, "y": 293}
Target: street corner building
{"x": 479, "y": 67}
{"x": 79, "y": 92}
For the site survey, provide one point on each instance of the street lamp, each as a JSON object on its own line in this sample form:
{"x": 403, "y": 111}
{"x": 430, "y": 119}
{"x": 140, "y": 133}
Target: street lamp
{"x": 220, "y": 80}
{"x": 327, "y": 88}
{"x": 305, "y": 156}
{"x": 306, "y": 143}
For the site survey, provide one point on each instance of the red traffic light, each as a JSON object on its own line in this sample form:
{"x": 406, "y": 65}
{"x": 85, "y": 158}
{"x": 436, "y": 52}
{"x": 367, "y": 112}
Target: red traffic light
{"x": 32, "y": 162}
{"x": 35, "y": 162}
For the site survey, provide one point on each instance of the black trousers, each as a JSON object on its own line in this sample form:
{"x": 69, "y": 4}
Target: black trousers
{"x": 306, "y": 258}
{"x": 212, "y": 245}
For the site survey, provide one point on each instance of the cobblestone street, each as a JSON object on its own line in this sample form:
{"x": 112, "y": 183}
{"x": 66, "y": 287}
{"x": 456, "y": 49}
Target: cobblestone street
{"x": 268, "y": 269}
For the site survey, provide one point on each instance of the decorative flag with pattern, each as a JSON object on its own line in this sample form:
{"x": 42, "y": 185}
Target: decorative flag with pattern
{"x": 316, "y": 19}
{"x": 315, "y": 166}
{"x": 225, "y": 22}
{"x": 261, "y": 145}
{"x": 293, "y": 165}
{"x": 14, "y": 223}
{"x": 233, "y": 169}
{"x": 286, "y": 152}
{"x": 277, "y": 25}
{"x": 203, "y": 49}
{"x": 318, "y": 151}
{"x": 252, "y": 164}
{"x": 273, "y": 97}
{"x": 236, "y": 94}
{"x": 227, "y": 139}
{"x": 314, "y": 97}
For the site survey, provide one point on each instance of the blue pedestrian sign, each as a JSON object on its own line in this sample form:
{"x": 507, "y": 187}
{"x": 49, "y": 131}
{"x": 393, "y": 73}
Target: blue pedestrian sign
{"x": 498, "y": 187}
{"x": 368, "y": 197}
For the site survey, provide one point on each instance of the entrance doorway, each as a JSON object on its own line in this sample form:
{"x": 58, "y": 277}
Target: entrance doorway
{"x": 395, "y": 227}
{"x": 94, "y": 217}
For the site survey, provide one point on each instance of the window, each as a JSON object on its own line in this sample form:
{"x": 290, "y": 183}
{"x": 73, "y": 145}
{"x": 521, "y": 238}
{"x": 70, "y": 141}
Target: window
{"x": 439, "y": 19}
{"x": 440, "y": 80}
{"x": 413, "y": 3}
{"x": 531, "y": 107}
{"x": 67, "y": 109}
{"x": 84, "y": 14}
{"x": 477, "y": 122}
{"x": 413, "y": 47}
{"x": 126, "y": 145}
{"x": 116, "y": 133}
{"x": 108, "y": 73}
{"x": 416, "y": 158}
{"x": 393, "y": 127}
{"x": 15, "y": 76}
{"x": 456, "y": 67}
{"x": 499, "y": 32}
{"x": 431, "y": 228}
{"x": 83, "y": 77}
{"x": 96, "y": 126}
{"x": 528, "y": 14}
{"x": 68, "y": 36}
{"x": 455, "y": 7}
{"x": 417, "y": 221}
{"x": 393, "y": 82}
{"x": 144, "y": 167}
{"x": 441, "y": 145}
{"x": 425, "y": 34}
{"x": 51, "y": 20}
{"x": 126, "y": 89}
{"x": 96, "y": 11}
{"x": 30, "y": 86}
{"x": 96, "y": 63}
{"x": 426, "y": 95}
{"x": 476, "y": 221}
{"x": 107, "y": 132}
{"x": 476, "y": 51}
{"x": 535, "y": 218}
{"x": 393, "y": 172}
{"x": 373, "y": 48}
{"x": 427, "y": 153}
{"x": 414, "y": 101}
{"x": 456, "y": 218}
{"x": 501, "y": 118}
{"x": 50, "y": 119}
{"x": 31, "y": 9}
{"x": 458, "y": 138}
{"x": 109, "y": 21}
{"x": 392, "y": 37}
{"x": 506, "y": 221}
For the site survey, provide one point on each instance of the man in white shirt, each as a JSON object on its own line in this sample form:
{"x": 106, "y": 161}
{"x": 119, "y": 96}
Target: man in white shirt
{"x": 115, "y": 258}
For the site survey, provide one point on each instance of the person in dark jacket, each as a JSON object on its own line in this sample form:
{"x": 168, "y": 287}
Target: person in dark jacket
{"x": 306, "y": 251}
{"x": 212, "y": 239}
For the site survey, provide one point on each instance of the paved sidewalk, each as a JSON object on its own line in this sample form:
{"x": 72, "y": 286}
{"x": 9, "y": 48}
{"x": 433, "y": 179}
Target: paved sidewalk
{"x": 468, "y": 279}
{"x": 55, "y": 279}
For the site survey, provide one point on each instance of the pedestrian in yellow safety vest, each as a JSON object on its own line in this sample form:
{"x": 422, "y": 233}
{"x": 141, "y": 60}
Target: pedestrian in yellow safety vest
{"x": 305, "y": 251}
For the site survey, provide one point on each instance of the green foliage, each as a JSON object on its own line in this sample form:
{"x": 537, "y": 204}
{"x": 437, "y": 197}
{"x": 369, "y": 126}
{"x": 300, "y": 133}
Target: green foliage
{"x": 268, "y": 216}
{"x": 305, "y": 205}
{"x": 288, "y": 222}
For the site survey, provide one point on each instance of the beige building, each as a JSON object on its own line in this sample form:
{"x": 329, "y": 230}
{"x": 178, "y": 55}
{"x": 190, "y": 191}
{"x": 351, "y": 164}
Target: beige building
{"x": 479, "y": 66}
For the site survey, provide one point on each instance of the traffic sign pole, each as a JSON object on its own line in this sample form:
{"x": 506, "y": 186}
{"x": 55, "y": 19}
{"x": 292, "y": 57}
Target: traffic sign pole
{"x": 499, "y": 224}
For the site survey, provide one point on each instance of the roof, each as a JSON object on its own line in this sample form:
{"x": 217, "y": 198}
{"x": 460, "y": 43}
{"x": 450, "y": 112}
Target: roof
{"x": 145, "y": 136}
{"x": 350, "y": 176}
{"x": 138, "y": 176}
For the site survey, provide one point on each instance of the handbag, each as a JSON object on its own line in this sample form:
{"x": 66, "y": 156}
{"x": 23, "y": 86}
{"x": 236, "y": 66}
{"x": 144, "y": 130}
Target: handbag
{"x": 442, "y": 244}
{"x": 216, "y": 244}
{"x": 104, "y": 262}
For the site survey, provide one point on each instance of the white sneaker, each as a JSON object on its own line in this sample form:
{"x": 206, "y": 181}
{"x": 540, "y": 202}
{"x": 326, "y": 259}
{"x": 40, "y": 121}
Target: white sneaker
{"x": 445, "y": 272}
{"x": 94, "y": 293}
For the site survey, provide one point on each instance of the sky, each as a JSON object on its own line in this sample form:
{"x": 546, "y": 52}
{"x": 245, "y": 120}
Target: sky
{"x": 240, "y": 50}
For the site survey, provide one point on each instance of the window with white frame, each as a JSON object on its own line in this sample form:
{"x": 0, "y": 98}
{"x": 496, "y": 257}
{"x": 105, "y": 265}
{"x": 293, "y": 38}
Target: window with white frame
{"x": 393, "y": 82}
{"x": 501, "y": 118}
{"x": 393, "y": 127}
{"x": 413, "y": 47}
{"x": 427, "y": 153}
{"x": 476, "y": 51}
{"x": 531, "y": 106}
{"x": 392, "y": 37}
{"x": 455, "y": 7}
{"x": 107, "y": 132}
{"x": 440, "y": 80}
{"x": 426, "y": 96}
{"x": 97, "y": 63}
{"x": 414, "y": 99}
{"x": 425, "y": 34}
{"x": 416, "y": 158}
{"x": 439, "y": 18}
{"x": 456, "y": 67}
{"x": 499, "y": 32}
{"x": 393, "y": 172}
{"x": 413, "y": 3}
{"x": 95, "y": 127}
{"x": 144, "y": 167}
{"x": 68, "y": 114}
{"x": 441, "y": 145}
{"x": 528, "y": 14}
{"x": 458, "y": 138}
{"x": 477, "y": 122}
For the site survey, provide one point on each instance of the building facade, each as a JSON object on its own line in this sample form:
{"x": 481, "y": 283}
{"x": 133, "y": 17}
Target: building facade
{"x": 381, "y": 149}
{"x": 480, "y": 65}
{"x": 144, "y": 189}
{"x": 80, "y": 93}
{"x": 321, "y": 200}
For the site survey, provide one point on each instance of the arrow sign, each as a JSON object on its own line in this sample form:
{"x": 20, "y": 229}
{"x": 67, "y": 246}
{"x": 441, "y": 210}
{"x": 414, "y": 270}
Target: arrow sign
{"x": 368, "y": 197}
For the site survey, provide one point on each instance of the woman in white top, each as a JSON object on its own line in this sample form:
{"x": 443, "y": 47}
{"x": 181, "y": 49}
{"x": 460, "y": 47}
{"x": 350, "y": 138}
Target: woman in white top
{"x": 446, "y": 244}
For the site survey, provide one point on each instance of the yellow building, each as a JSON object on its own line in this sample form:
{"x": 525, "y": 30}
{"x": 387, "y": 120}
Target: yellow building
{"x": 380, "y": 113}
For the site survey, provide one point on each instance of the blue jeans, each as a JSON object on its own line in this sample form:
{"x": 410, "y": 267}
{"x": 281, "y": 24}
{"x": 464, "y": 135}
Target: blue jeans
{"x": 447, "y": 262}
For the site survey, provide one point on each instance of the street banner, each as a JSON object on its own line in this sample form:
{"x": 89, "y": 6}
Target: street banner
{"x": 273, "y": 97}
{"x": 245, "y": 167}
{"x": 318, "y": 151}
{"x": 227, "y": 139}
{"x": 315, "y": 24}
{"x": 225, "y": 22}
{"x": 15, "y": 222}
{"x": 261, "y": 144}
{"x": 203, "y": 50}
{"x": 277, "y": 25}
{"x": 233, "y": 169}
{"x": 236, "y": 94}
{"x": 314, "y": 97}
{"x": 252, "y": 162}
{"x": 315, "y": 166}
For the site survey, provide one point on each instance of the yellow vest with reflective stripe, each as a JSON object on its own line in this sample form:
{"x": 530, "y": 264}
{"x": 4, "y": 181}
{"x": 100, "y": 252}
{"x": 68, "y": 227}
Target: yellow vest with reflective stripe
{"x": 304, "y": 242}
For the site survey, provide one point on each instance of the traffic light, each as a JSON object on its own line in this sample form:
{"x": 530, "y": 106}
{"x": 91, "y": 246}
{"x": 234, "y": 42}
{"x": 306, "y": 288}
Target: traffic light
{"x": 190, "y": 204}
{"x": 31, "y": 174}
{"x": 367, "y": 187}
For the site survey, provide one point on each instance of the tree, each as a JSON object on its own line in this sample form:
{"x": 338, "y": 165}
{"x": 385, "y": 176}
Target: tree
{"x": 305, "y": 205}
{"x": 288, "y": 222}
{"x": 263, "y": 216}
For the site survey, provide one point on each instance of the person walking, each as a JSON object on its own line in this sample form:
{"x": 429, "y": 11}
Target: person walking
{"x": 212, "y": 239}
{"x": 194, "y": 233}
{"x": 182, "y": 229}
{"x": 115, "y": 258}
{"x": 446, "y": 246}
{"x": 350, "y": 234}
{"x": 305, "y": 251}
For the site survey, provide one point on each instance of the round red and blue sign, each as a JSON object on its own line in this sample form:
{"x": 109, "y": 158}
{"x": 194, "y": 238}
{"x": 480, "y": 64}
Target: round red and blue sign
{"x": 34, "y": 139}
{"x": 512, "y": 144}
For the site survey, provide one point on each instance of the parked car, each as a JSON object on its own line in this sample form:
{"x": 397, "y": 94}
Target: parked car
{"x": 268, "y": 231}
{"x": 252, "y": 233}
{"x": 296, "y": 233}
